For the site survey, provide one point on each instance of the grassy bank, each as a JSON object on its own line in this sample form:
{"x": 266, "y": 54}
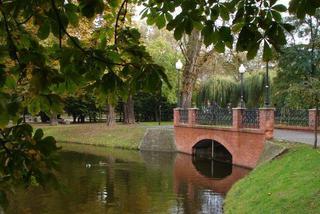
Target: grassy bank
{"x": 289, "y": 184}
{"x": 119, "y": 136}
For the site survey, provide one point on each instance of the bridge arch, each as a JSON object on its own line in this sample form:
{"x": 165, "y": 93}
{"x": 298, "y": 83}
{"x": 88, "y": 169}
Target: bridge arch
{"x": 207, "y": 148}
{"x": 244, "y": 146}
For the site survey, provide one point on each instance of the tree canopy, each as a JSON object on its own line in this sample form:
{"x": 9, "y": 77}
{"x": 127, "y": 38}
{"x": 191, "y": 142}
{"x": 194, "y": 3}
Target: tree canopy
{"x": 45, "y": 56}
{"x": 255, "y": 22}
{"x": 298, "y": 64}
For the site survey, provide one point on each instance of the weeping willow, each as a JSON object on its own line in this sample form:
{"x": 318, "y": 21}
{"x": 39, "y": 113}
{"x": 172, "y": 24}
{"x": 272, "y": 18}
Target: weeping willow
{"x": 225, "y": 90}
{"x": 220, "y": 89}
{"x": 254, "y": 84}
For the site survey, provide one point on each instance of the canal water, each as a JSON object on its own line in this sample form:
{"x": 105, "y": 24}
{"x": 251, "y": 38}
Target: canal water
{"x": 100, "y": 180}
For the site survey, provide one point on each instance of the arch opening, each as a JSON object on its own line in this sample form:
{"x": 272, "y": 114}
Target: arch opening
{"x": 213, "y": 150}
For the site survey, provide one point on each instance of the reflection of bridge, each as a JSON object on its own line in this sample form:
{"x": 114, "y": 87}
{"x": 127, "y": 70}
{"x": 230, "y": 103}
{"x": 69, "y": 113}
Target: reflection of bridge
{"x": 240, "y": 133}
{"x": 202, "y": 192}
{"x": 195, "y": 177}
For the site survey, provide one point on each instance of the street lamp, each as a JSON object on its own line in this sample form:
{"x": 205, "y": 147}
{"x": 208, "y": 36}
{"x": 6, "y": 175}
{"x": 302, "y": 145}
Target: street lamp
{"x": 179, "y": 66}
{"x": 242, "y": 70}
{"x": 267, "y": 87}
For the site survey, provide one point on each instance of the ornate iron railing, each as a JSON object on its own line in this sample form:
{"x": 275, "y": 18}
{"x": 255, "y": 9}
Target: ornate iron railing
{"x": 250, "y": 118}
{"x": 214, "y": 116}
{"x": 183, "y": 115}
{"x": 292, "y": 117}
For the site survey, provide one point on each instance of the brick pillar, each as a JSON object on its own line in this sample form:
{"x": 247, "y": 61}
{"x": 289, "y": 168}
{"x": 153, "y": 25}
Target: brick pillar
{"x": 176, "y": 116}
{"x": 192, "y": 112}
{"x": 266, "y": 121}
{"x": 312, "y": 118}
{"x": 237, "y": 118}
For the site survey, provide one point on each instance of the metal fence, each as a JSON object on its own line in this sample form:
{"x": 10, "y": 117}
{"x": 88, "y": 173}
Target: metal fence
{"x": 214, "y": 116}
{"x": 250, "y": 118}
{"x": 183, "y": 115}
{"x": 292, "y": 117}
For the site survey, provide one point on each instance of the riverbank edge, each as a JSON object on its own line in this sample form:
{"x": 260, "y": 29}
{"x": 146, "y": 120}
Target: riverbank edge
{"x": 126, "y": 137}
{"x": 99, "y": 145}
{"x": 235, "y": 201}
{"x": 155, "y": 139}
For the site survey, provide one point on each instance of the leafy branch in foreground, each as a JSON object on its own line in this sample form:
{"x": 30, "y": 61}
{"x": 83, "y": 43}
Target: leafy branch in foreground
{"x": 252, "y": 24}
{"x": 26, "y": 158}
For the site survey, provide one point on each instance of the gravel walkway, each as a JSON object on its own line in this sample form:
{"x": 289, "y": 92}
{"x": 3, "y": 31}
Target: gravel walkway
{"x": 295, "y": 136}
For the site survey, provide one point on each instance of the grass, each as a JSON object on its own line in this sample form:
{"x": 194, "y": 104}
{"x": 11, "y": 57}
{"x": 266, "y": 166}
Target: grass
{"x": 98, "y": 134}
{"x": 289, "y": 184}
{"x": 120, "y": 154}
{"x": 165, "y": 123}
{"x": 119, "y": 136}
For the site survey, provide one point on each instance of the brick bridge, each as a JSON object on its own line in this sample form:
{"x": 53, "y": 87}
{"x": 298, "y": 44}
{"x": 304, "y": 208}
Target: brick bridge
{"x": 236, "y": 136}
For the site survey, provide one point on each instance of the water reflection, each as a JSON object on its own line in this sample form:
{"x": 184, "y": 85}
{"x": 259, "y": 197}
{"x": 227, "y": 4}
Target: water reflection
{"x": 202, "y": 184}
{"x": 212, "y": 169}
{"x": 131, "y": 182}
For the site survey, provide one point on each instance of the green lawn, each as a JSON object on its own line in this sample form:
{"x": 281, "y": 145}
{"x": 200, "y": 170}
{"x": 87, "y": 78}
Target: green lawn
{"x": 165, "y": 123}
{"x": 119, "y": 136}
{"x": 289, "y": 184}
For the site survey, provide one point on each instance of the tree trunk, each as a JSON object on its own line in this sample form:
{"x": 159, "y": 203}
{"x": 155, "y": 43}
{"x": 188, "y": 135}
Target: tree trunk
{"x": 189, "y": 75}
{"x": 128, "y": 111}
{"x": 53, "y": 119}
{"x": 111, "y": 115}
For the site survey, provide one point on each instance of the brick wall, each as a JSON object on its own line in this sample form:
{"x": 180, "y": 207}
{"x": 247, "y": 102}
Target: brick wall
{"x": 245, "y": 147}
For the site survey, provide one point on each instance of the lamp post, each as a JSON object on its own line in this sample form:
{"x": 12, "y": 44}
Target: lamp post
{"x": 179, "y": 66}
{"x": 267, "y": 87}
{"x": 242, "y": 70}
{"x": 159, "y": 122}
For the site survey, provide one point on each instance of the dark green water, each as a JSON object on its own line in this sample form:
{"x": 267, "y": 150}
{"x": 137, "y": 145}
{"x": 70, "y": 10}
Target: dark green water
{"x": 130, "y": 182}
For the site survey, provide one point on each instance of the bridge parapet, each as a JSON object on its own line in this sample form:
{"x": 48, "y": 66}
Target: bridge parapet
{"x": 240, "y": 119}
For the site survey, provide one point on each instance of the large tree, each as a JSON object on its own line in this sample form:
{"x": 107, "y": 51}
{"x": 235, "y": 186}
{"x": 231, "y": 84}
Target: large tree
{"x": 299, "y": 61}
{"x": 44, "y": 58}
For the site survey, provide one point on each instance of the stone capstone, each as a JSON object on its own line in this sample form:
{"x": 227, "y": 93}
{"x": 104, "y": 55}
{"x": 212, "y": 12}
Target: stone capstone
{"x": 271, "y": 151}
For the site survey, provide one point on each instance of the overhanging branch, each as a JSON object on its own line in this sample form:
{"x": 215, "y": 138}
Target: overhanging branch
{"x": 124, "y": 6}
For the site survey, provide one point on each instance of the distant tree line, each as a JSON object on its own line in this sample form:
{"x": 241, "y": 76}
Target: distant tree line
{"x": 146, "y": 109}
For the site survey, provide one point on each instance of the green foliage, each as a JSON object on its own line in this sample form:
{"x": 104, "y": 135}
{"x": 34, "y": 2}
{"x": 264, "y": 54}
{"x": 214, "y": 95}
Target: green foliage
{"x": 225, "y": 90}
{"x": 294, "y": 71}
{"x": 299, "y": 66}
{"x": 146, "y": 107}
{"x": 303, "y": 7}
{"x": 45, "y": 57}
{"x": 259, "y": 23}
{"x": 254, "y": 85}
{"x": 220, "y": 89}
{"x": 81, "y": 107}
{"x": 46, "y": 62}
{"x": 307, "y": 90}
{"x": 165, "y": 55}
{"x": 26, "y": 157}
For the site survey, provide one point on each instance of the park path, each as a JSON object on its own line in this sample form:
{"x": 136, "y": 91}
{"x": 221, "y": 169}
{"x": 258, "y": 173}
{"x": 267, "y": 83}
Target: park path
{"x": 294, "y": 136}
